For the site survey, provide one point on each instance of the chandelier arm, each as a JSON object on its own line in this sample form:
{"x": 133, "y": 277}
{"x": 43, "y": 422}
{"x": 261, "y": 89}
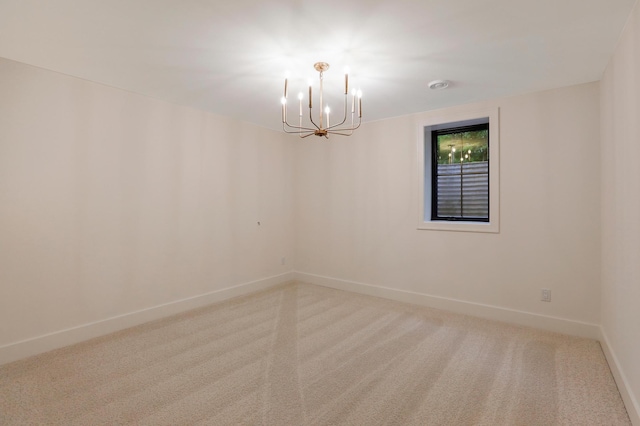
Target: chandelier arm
{"x": 339, "y": 132}
{"x": 346, "y": 129}
{"x": 311, "y": 119}
{"x": 308, "y": 129}
{"x": 345, "y": 114}
{"x": 299, "y": 132}
{"x": 302, "y": 135}
{"x": 297, "y": 128}
{"x": 353, "y": 127}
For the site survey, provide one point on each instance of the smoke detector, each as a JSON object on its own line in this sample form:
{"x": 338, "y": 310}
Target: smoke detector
{"x": 438, "y": 84}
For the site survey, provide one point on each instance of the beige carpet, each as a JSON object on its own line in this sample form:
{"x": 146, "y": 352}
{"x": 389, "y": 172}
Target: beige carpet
{"x": 305, "y": 355}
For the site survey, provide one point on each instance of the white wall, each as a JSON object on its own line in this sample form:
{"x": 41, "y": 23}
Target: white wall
{"x": 112, "y": 203}
{"x": 357, "y": 208}
{"x": 620, "y": 94}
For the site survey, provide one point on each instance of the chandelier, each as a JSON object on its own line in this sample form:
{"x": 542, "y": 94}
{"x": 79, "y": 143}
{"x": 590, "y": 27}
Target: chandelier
{"x": 323, "y": 127}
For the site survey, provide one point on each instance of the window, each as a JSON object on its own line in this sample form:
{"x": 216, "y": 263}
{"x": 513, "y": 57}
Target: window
{"x": 459, "y": 171}
{"x": 460, "y": 179}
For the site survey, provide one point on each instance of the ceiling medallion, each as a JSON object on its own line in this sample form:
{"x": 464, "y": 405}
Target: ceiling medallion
{"x": 323, "y": 127}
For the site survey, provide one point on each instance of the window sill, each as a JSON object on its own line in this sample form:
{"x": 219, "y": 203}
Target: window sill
{"x": 446, "y": 225}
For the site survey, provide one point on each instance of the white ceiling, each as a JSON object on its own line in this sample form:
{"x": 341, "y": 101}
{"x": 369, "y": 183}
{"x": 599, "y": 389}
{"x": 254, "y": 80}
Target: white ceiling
{"x": 230, "y": 56}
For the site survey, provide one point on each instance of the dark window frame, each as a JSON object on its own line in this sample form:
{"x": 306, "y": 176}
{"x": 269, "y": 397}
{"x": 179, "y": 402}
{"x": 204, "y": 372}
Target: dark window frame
{"x": 434, "y": 172}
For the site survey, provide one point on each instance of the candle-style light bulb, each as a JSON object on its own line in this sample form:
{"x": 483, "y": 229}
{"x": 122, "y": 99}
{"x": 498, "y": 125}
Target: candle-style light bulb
{"x": 327, "y": 110}
{"x": 283, "y": 101}
{"x": 300, "y": 96}
{"x": 346, "y": 80}
{"x": 360, "y": 103}
{"x": 353, "y": 101}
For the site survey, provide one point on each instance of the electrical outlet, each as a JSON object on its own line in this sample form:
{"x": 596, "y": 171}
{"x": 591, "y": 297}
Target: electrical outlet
{"x": 545, "y": 295}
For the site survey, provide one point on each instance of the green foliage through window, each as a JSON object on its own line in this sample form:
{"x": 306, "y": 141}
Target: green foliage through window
{"x": 456, "y": 147}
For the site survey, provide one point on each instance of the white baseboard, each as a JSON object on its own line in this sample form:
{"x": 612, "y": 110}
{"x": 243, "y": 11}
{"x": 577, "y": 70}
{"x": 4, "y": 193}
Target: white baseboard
{"x": 36, "y": 345}
{"x": 630, "y": 400}
{"x": 559, "y": 325}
